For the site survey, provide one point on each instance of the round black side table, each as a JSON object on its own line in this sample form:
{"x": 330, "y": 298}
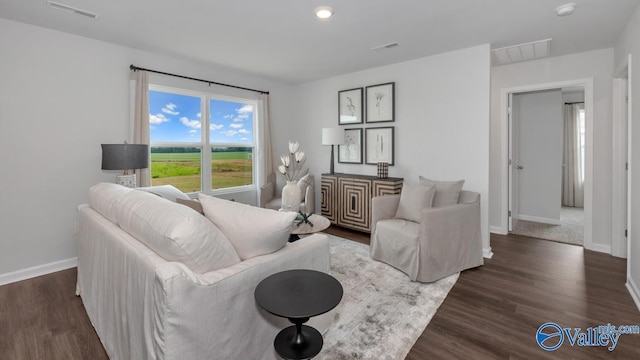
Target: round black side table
{"x": 298, "y": 295}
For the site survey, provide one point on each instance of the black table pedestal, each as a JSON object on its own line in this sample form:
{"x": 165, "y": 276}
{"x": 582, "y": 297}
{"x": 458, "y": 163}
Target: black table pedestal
{"x": 298, "y": 341}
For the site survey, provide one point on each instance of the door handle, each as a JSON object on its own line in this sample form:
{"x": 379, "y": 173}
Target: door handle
{"x": 519, "y": 167}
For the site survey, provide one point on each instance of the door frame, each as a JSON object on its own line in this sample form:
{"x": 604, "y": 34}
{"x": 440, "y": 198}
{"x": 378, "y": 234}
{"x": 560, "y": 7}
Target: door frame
{"x": 587, "y": 84}
{"x": 621, "y": 200}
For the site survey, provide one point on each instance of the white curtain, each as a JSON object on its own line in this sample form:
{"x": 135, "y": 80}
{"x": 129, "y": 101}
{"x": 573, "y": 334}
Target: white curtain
{"x": 572, "y": 174}
{"x": 266, "y": 167}
{"x": 141, "y": 120}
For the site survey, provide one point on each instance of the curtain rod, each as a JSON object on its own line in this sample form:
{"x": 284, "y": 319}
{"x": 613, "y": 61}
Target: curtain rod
{"x": 136, "y": 68}
{"x": 571, "y": 103}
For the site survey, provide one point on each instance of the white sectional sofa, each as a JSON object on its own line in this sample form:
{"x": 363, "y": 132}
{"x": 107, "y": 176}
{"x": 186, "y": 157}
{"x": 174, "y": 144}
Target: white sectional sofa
{"x": 161, "y": 281}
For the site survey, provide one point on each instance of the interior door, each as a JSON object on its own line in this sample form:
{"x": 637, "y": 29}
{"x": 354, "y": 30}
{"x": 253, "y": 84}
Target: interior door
{"x": 537, "y": 138}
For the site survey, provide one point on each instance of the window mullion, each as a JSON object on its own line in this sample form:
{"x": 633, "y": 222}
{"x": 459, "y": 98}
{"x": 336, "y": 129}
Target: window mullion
{"x": 206, "y": 148}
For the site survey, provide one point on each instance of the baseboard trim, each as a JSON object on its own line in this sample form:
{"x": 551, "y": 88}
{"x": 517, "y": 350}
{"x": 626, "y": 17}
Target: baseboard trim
{"x": 539, "y": 219}
{"x": 600, "y": 248}
{"x": 634, "y": 291}
{"x": 498, "y": 230}
{"x": 487, "y": 253}
{"x": 36, "y": 271}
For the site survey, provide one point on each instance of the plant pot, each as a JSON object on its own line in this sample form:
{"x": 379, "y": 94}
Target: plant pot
{"x": 291, "y": 196}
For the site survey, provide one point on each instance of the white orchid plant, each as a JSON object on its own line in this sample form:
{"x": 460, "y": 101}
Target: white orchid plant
{"x": 292, "y": 162}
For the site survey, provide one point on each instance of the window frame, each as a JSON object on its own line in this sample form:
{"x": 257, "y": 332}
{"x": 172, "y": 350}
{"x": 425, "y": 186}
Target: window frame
{"x": 205, "y": 144}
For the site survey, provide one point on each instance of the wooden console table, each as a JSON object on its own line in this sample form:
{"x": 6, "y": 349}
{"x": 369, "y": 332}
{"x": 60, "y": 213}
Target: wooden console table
{"x": 346, "y": 198}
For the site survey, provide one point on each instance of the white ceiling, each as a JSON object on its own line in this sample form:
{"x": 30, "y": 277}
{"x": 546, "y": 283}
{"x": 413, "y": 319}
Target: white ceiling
{"x": 282, "y": 39}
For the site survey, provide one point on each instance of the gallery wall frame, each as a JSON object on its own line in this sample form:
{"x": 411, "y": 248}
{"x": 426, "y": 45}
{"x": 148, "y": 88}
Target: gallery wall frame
{"x": 380, "y": 102}
{"x": 379, "y": 145}
{"x": 351, "y": 151}
{"x": 350, "y": 106}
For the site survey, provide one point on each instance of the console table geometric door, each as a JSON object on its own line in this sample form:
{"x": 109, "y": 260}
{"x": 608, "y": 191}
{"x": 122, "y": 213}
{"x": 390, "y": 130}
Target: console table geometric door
{"x": 346, "y": 198}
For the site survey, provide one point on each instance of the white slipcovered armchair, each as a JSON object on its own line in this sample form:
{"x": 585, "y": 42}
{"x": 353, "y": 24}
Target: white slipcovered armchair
{"x": 271, "y": 192}
{"x": 445, "y": 241}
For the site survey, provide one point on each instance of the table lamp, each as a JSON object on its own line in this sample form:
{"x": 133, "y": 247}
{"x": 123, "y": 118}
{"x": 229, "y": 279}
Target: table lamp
{"x": 125, "y": 157}
{"x": 332, "y": 136}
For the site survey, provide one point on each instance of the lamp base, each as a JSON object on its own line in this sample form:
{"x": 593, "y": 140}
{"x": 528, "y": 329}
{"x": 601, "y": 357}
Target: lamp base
{"x": 331, "y": 164}
{"x": 126, "y": 180}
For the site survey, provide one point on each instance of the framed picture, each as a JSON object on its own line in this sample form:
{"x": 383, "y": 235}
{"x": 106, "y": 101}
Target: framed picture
{"x": 381, "y": 102}
{"x": 380, "y": 145}
{"x": 350, "y": 110}
{"x": 351, "y": 151}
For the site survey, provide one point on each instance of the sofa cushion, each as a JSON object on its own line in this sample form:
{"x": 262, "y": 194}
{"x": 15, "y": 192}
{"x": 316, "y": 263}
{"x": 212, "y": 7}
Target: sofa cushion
{"x": 253, "y": 231}
{"x": 414, "y": 198}
{"x": 447, "y": 192}
{"x": 168, "y": 192}
{"x": 103, "y": 198}
{"x": 175, "y": 232}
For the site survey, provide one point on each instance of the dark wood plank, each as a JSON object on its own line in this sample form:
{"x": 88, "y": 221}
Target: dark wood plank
{"x": 41, "y": 318}
{"x": 492, "y": 312}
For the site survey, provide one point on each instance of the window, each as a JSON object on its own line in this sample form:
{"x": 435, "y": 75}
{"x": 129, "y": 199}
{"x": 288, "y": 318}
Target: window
{"x": 185, "y": 156}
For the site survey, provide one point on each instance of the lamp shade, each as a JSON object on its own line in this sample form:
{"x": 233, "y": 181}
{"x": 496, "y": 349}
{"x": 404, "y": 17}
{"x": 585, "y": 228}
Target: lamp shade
{"x": 125, "y": 156}
{"x": 332, "y": 136}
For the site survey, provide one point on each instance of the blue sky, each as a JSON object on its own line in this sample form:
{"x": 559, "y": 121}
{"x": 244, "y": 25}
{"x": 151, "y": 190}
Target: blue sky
{"x": 177, "y": 118}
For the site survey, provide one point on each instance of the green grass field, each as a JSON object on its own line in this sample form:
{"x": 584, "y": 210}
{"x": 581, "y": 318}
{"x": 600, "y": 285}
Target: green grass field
{"x": 182, "y": 170}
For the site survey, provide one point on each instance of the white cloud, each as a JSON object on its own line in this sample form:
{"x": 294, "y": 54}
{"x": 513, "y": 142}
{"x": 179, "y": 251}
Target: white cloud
{"x": 170, "y": 109}
{"x": 193, "y": 131}
{"x": 243, "y": 113}
{"x": 215, "y": 127}
{"x": 237, "y": 126}
{"x": 230, "y": 133}
{"x": 194, "y": 124}
{"x": 157, "y": 119}
{"x": 199, "y": 115}
{"x": 243, "y": 131}
{"x": 243, "y": 139}
{"x": 229, "y": 116}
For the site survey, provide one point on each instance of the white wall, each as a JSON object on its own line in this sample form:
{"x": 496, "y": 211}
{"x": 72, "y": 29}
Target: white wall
{"x": 62, "y": 96}
{"x": 597, "y": 65}
{"x": 442, "y": 120}
{"x": 629, "y": 43}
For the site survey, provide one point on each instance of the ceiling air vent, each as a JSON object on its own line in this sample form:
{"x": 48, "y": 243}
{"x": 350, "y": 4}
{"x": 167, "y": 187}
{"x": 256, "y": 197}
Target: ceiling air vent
{"x": 69, "y": 8}
{"x": 522, "y": 52}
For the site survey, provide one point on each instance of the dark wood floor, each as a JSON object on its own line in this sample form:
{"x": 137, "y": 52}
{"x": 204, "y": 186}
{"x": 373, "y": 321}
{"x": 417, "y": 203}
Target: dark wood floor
{"x": 492, "y": 312}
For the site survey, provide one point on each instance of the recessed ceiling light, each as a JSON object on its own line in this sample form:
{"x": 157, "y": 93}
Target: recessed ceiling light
{"x": 65, "y": 7}
{"x": 566, "y": 9}
{"x": 324, "y": 12}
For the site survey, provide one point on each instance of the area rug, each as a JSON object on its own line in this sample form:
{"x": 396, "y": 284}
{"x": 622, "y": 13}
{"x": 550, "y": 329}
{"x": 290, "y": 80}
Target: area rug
{"x": 382, "y": 312}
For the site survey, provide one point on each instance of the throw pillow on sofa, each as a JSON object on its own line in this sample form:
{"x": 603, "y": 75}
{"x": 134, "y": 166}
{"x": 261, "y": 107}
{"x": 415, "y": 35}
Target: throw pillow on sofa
{"x": 447, "y": 192}
{"x": 168, "y": 192}
{"x": 253, "y": 231}
{"x": 414, "y": 198}
{"x": 175, "y": 232}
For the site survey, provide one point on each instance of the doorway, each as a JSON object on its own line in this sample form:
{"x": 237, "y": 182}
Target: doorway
{"x": 510, "y": 167}
{"x": 548, "y": 154}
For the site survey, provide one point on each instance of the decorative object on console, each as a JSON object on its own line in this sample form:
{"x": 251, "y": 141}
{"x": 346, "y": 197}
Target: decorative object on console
{"x": 290, "y": 168}
{"x": 381, "y": 102}
{"x": 125, "y": 157}
{"x": 351, "y": 151}
{"x": 332, "y": 136}
{"x": 383, "y": 169}
{"x": 380, "y": 145}
{"x": 350, "y": 109}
